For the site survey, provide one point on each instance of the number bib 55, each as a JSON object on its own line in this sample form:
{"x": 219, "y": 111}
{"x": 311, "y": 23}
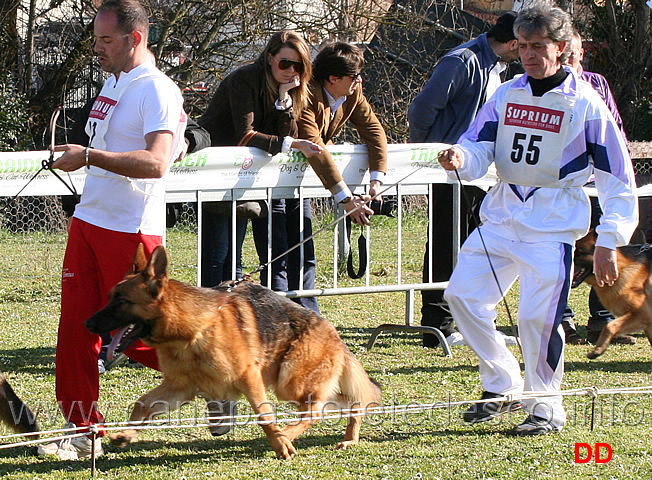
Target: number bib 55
{"x": 531, "y": 138}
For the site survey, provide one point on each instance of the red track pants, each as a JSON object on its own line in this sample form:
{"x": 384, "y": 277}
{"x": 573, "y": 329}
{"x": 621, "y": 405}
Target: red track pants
{"x": 96, "y": 259}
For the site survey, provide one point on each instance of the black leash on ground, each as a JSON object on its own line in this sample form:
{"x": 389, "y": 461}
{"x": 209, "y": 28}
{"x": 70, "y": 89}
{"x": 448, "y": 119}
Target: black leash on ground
{"x": 476, "y": 220}
{"x": 47, "y": 164}
{"x": 247, "y": 277}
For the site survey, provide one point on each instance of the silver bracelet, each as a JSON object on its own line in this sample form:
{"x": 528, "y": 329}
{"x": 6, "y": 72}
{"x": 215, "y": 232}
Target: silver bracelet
{"x": 86, "y": 155}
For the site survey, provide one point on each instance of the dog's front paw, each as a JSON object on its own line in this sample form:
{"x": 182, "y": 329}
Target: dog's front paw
{"x": 344, "y": 444}
{"x": 284, "y": 448}
{"x": 123, "y": 438}
{"x": 595, "y": 353}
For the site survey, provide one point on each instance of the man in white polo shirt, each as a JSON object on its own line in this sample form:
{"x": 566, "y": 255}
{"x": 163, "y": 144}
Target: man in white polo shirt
{"x": 135, "y": 129}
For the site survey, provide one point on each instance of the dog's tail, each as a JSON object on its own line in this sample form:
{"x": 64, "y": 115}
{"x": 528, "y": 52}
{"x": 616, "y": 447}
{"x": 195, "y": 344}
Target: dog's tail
{"x": 357, "y": 387}
{"x": 13, "y": 412}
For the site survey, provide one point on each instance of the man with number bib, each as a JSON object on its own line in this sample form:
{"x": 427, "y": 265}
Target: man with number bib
{"x": 546, "y": 132}
{"x": 135, "y": 129}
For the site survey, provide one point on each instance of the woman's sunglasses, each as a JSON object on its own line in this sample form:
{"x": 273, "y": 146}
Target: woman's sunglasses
{"x": 284, "y": 64}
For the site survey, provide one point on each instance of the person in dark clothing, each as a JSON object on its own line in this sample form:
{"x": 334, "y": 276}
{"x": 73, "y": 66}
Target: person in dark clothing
{"x": 462, "y": 81}
{"x": 257, "y": 106}
{"x": 599, "y": 315}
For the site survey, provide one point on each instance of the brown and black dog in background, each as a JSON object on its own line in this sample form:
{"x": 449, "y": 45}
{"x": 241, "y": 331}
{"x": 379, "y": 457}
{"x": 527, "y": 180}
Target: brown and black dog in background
{"x": 629, "y": 298}
{"x": 13, "y": 412}
{"x": 234, "y": 340}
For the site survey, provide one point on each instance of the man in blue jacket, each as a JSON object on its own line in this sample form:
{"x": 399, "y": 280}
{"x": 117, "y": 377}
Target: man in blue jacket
{"x": 462, "y": 81}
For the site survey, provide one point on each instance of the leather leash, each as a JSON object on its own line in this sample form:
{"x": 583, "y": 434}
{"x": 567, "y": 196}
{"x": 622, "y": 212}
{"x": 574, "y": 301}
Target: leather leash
{"x": 47, "y": 164}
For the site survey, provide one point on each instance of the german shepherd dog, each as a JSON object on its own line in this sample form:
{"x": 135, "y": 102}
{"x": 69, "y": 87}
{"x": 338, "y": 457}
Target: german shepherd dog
{"x": 630, "y": 297}
{"x": 233, "y": 340}
{"x": 13, "y": 412}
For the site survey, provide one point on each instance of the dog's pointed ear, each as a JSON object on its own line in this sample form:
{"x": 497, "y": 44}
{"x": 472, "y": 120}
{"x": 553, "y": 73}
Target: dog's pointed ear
{"x": 139, "y": 262}
{"x": 156, "y": 271}
{"x": 158, "y": 262}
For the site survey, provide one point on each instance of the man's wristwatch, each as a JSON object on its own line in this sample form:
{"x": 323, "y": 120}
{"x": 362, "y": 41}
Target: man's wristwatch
{"x": 346, "y": 200}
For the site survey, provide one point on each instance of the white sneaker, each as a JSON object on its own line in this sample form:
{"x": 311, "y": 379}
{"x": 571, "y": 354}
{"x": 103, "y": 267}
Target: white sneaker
{"x": 71, "y": 448}
{"x": 100, "y": 366}
{"x": 455, "y": 339}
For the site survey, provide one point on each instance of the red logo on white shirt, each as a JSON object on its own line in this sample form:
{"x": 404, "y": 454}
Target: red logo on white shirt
{"x": 530, "y": 116}
{"x": 101, "y": 107}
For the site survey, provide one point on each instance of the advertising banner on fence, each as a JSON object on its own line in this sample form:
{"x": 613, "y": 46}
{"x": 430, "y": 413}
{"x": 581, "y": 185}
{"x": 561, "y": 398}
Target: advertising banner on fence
{"x": 223, "y": 168}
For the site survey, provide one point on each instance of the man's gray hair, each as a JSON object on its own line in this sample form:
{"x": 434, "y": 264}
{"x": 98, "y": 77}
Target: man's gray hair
{"x": 544, "y": 18}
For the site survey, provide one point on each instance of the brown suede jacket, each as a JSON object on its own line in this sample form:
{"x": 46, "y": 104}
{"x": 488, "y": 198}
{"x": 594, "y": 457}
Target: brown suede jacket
{"x": 315, "y": 124}
{"x": 239, "y": 106}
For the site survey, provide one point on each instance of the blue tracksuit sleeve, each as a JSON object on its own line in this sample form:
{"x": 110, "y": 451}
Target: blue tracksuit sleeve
{"x": 449, "y": 77}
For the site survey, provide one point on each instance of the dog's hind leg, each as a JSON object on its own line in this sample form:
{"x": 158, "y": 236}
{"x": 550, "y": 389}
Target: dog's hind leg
{"x": 361, "y": 394}
{"x": 309, "y": 376}
{"x": 608, "y": 333}
{"x": 353, "y": 426}
{"x": 163, "y": 399}
{"x": 310, "y": 413}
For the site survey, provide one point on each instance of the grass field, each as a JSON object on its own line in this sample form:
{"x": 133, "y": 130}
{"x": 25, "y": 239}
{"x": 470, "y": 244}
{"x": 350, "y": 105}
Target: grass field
{"x": 433, "y": 444}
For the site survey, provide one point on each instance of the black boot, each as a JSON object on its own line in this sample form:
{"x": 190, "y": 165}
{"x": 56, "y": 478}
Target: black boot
{"x": 567, "y": 323}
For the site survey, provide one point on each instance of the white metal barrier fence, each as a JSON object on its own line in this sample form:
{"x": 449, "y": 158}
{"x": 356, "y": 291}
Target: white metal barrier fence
{"x": 241, "y": 173}
{"x": 253, "y": 175}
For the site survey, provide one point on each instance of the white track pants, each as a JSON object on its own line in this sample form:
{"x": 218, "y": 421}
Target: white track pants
{"x": 544, "y": 272}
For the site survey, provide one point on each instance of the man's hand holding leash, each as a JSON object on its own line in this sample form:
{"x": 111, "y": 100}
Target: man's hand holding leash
{"x": 73, "y": 158}
{"x": 359, "y": 209}
{"x": 451, "y": 158}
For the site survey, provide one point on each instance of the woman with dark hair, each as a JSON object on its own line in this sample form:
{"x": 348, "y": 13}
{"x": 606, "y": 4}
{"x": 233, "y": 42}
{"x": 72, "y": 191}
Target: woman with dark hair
{"x": 257, "y": 106}
{"x": 336, "y": 99}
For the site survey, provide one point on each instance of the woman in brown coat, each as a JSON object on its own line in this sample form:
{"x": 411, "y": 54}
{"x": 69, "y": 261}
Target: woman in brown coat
{"x": 257, "y": 106}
